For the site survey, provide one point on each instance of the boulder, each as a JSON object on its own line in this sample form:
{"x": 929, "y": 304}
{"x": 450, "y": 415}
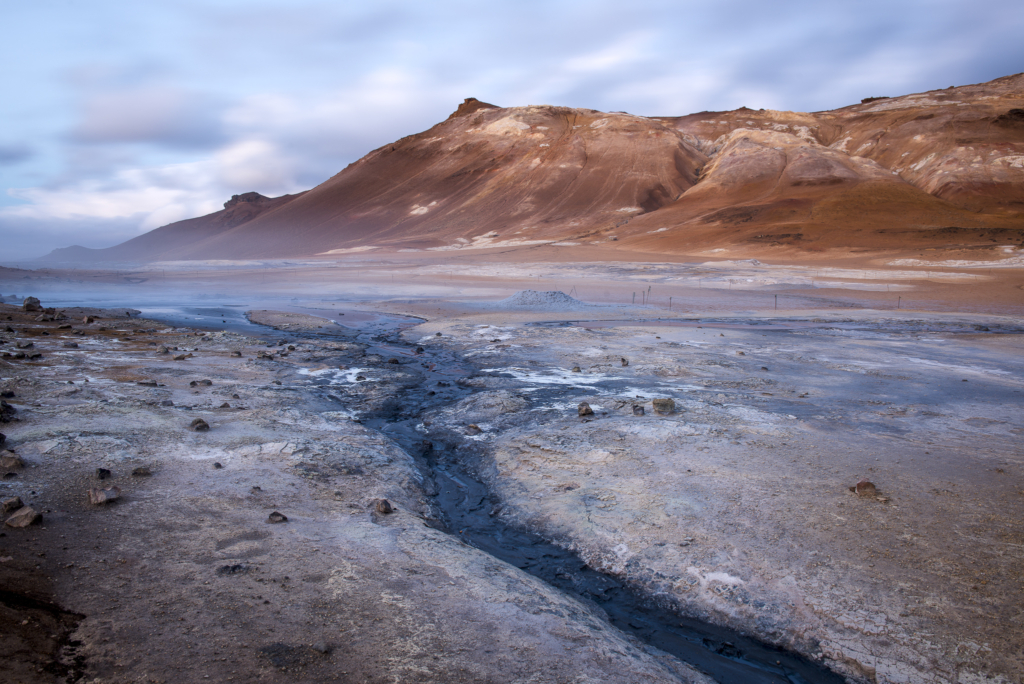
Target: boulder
{"x": 663, "y": 406}
{"x": 10, "y": 505}
{"x": 625, "y": 362}
{"x": 9, "y": 460}
{"x": 584, "y": 409}
{"x": 865, "y": 488}
{"x": 24, "y": 517}
{"x": 638, "y": 410}
{"x": 277, "y": 517}
{"x": 199, "y": 425}
{"x": 98, "y": 497}
{"x": 31, "y": 304}
{"x": 383, "y": 506}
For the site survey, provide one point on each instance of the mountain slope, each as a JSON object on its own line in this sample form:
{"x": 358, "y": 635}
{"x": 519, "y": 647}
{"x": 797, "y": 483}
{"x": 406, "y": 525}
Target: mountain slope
{"x": 938, "y": 169}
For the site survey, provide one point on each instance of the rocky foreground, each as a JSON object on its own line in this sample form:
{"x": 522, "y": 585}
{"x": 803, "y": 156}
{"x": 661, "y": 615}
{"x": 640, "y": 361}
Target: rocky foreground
{"x": 847, "y": 488}
{"x": 249, "y": 529}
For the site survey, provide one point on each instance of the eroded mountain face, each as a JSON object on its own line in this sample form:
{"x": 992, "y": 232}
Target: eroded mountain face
{"x": 943, "y": 169}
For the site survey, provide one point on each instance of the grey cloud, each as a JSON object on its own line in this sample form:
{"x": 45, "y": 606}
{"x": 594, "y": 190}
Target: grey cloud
{"x": 14, "y": 154}
{"x": 159, "y": 116}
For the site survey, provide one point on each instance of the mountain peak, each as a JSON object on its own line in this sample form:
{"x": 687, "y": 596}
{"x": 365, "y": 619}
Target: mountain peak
{"x": 470, "y": 105}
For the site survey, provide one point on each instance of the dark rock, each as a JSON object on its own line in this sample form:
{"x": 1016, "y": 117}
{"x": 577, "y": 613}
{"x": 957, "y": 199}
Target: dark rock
{"x": 102, "y": 474}
{"x": 392, "y": 360}
{"x": 663, "y": 406}
{"x": 420, "y": 350}
{"x": 291, "y": 347}
{"x": 276, "y": 382}
{"x": 23, "y": 344}
{"x": 625, "y": 362}
{"x": 31, "y": 304}
{"x": 383, "y": 506}
{"x": 576, "y": 369}
{"x": 6, "y": 411}
{"x": 472, "y": 429}
{"x": 23, "y": 517}
{"x": 638, "y": 410}
{"x": 199, "y": 425}
{"x": 764, "y": 368}
{"x": 167, "y": 402}
{"x": 7, "y": 394}
{"x": 741, "y": 353}
{"x": 217, "y": 465}
{"x": 10, "y": 505}
{"x": 584, "y": 409}
{"x": 182, "y": 357}
{"x": 18, "y": 355}
{"x": 360, "y": 378}
{"x": 71, "y": 345}
{"x": 437, "y": 334}
{"x": 225, "y": 405}
{"x": 10, "y": 476}
{"x": 206, "y": 383}
{"x": 64, "y": 326}
{"x": 277, "y": 517}
{"x": 3, "y": 438}
{"x": 321, "y": 647}
{"x": 142, "y": 471}
{"x": 98, "y": 497}
{"x": 87, "y": 319}
{"x": 34, "y": 355}
{"x": 236, "y": 353}
{"x": 146, "y": 383}
{"x": 11, "y": 461}
{"x": 163, "y": 350}
{"x": 236, "y": 569}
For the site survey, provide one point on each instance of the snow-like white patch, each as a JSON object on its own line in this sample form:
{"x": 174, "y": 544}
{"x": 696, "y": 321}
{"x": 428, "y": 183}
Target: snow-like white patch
{"x": 629, "y": 209}
{"x": 339, "y": 375}
{"x": 348, "y": 250}
{"x": 1015, "y": 161}
{"x": 565, "y": 244}
{"x": 541, "y": 301}
{"x": 1012, "y": 262}
{"x": 659, "y": 230}
{"x": 600, "y": 123}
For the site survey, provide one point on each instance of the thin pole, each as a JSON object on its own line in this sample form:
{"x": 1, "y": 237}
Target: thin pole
{"x": 776, "y": 302}
{"x": 898, "y": 300}
{"x": 669, "y": 303}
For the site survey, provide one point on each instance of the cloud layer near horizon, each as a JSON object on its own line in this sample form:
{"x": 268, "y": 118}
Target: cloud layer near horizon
{"x": 128, "y": 118}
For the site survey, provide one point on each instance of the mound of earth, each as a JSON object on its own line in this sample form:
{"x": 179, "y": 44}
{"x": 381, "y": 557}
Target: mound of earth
{"x": 541, "y": 301}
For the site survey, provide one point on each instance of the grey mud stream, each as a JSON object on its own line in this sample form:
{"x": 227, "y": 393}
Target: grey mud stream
{"x": 467, "y": 511}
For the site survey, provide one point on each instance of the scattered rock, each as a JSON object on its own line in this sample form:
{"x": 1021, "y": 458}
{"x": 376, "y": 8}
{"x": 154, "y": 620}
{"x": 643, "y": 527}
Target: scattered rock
{"x": 625, "y": 362}
{"x": 146, "y": 383}
{"x": 199, "y": 425}
{"x": 35, "y": 355}
{"x": 225, "y": 405}
{"x": 236, "y": 569}
{"x": 23, "y": 517}
{"x": 236, "y": 353}
{"x": 472, "y": 429}
{"x": 167, "y": 402}
{"x": 23, "y": 344}
{"x": 31, "y": 304}
{"x": 163, "y": 350}
{"x": 276, "y": 382}
{"x": 87, "y": 319}
{"x": 217, "y": 465}
{"x": 9, "y": 460}
{"x": 864, "y": 488}
{"x": 102, "y": 474}
{"x": 764, "y": 368}
{"x": 741, "y": 353}
{"x": 71, "y": 345}
{"x": 98, "y": 497}
{"x": 392, "y": 360}
{"x": 6, "y": 411}
{"x": 182, "y": 357}
{"x": 420, "y": 350}
{"x": 277, "y": 517}
{"x": 437, "y": 334}
{"x": 383, "y": 506}
{"x": 64, "y": 326}
{"x": 584, "y": 409}
{"x": 638, "y": 410}
{"x": 142, "y": 471}
{"x": 576, "y": 369}
{"x": 3, "y": 438}
{"x": 663, "y": 406}
{"x": 360, "y": 378}
{"x": 206, "y": 383}
{"x": 7, "y": 394}
{"x": 321, "y": 647}
{"x": 10, "y": 505}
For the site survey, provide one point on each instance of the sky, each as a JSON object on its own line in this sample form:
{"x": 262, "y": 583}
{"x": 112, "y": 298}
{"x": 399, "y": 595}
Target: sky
{"x": 117, "y": 118}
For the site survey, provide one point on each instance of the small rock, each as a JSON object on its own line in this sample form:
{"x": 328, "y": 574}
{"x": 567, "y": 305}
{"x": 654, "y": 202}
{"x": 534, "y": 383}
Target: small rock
{"x": 206, "y": 383}
{"x": 31, "y": 304}
{"x": 291, "y": 347}
{"x": 276, "y": 382}
{"x": 472, "y": 429}
{"x": 98, "y": 497}
{"x": 420, "y": 350}
{"x": 142, "y": 471}
{"x": 181, "y": 357}
{"x": 864, "y": 488}
{"x": 276, "y": 517}
{"x": 35, "y": 355}
{"x": 23, "y": 344}
{"x": 64, "y": 326}
{"x": 321, "y": 647}
{"x": 87, "y": 319}
{"x": 225, "y": 405}
{"x": 236, "y": 353}
{"x": 25, "y": 516}
{"x": 7, "y": 394}
{"x": 392, "y": 360}
{"x": 71, "y": 345}
{"x": 625, "y": 362}
{"x": 9, "y": 460}
{"x": 102, "y": 474}
{"x": 764, "y": 368}
{"x": 217, "y": 465}
{"x": 584, "y": 409}
{"x": 638, "y": 410}
{"x": 360, "y": 378}
{"x": 741, "y": 353}
{"x": 146, "y": 383}
{"x": 3, "y": 438}
{"x": 10, "y": 505}
{"x": 235, "y": 396}
{"x": 576, "y": 369}
{"x": 167, "y": 402}
{"x": 6, "y": 411}
{"x": 437, "y": 334}
{"x": 383, "y": 506}
{"x": 664, "y": 406}
{"x": 199, "y": 425}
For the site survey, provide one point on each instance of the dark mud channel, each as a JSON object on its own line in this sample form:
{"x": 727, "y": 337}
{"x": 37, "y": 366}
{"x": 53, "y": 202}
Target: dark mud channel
{"x": 468, "y": 509}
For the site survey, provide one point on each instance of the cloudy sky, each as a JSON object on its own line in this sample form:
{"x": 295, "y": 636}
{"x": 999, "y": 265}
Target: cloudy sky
{"x": 121, "y": 117}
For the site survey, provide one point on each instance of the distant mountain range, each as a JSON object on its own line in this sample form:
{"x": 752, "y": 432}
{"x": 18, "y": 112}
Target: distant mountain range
{"x": 936, "y": 170}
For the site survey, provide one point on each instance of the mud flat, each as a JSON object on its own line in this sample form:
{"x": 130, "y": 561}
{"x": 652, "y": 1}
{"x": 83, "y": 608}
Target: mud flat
{"x": 735, "y": 504}
{"x": 732, "y": 506}
{"x": 185, "y": 578}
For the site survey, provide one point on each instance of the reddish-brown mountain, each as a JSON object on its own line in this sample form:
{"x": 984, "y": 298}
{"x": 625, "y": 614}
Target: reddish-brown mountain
{"x": 937, "y": 169}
